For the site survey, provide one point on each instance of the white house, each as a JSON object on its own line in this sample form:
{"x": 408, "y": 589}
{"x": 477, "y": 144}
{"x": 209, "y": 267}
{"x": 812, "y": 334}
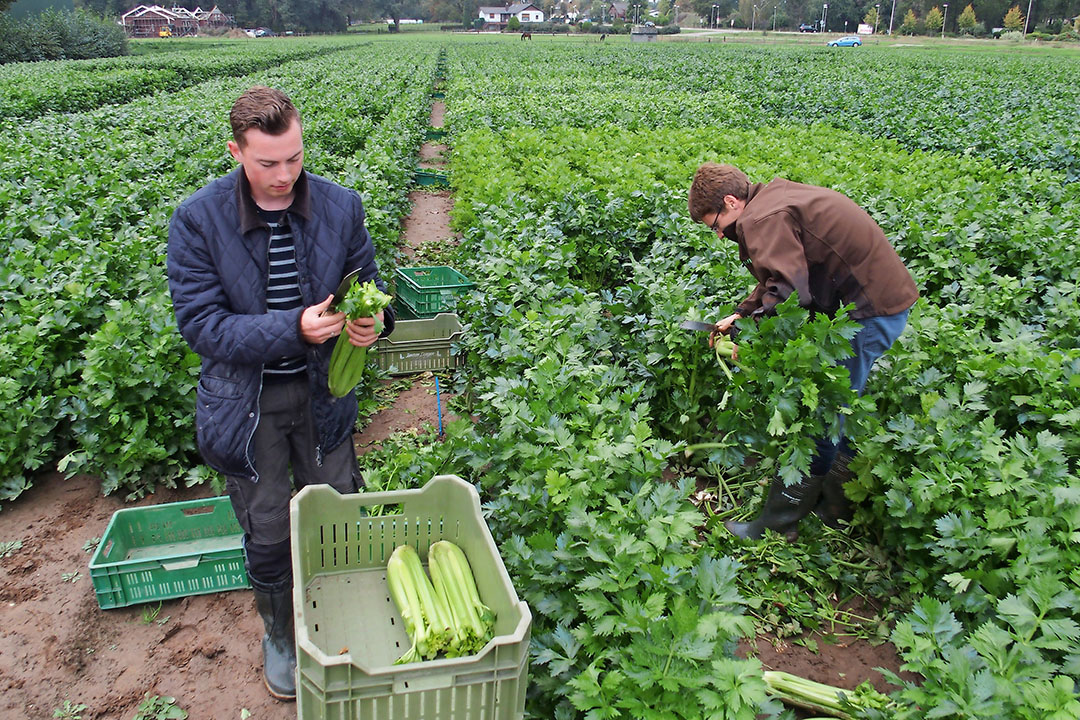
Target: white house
{"x": 496, "y": 18}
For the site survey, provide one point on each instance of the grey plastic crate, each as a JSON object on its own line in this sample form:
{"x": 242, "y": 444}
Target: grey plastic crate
{"x": 420, "y": 345}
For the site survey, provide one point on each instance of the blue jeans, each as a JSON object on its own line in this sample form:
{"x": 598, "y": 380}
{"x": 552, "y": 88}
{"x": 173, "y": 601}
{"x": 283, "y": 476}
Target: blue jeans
{"x": 876, "y": 336}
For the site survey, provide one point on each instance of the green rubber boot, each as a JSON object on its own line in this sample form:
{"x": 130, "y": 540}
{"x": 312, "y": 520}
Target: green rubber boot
{"x": 275, "y": 607}
{"x": 784, "y": 508}
{"x": 833, "y": 507}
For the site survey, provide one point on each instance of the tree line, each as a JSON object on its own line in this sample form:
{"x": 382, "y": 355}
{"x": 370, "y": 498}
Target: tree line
{"x": 846, "y": 15}
{"x": 842, "y": 15}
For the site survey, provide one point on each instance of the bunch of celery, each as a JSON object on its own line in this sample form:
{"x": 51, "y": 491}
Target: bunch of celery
{"x": 725, "y": 349}
{"x": 446, "y": 616}
{"x": 347, "y": 361}
{"x": 825, "y": 699}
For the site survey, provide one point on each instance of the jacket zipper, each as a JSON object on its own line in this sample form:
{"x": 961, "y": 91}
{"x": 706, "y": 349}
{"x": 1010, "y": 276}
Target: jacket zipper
{"x": 258, "y": 397}
{"x": 310, "y": 365}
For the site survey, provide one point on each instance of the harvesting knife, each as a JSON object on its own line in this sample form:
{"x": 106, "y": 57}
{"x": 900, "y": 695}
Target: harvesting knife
{"x": 343, "y": 288}
{"x": 698, "y": 326}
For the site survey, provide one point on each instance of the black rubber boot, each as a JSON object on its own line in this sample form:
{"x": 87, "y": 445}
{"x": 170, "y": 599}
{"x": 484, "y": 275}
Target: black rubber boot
{"x": 274, "y": 603}
{"x": 834, "y": 507}
{"x": 784, "y": 508}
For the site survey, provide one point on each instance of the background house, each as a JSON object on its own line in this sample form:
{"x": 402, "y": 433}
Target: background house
{"x": 147, "y": 20}
{"x": 496, "y": 18}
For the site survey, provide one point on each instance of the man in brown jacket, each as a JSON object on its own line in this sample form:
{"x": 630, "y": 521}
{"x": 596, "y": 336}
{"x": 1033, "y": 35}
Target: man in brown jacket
{"x": 820, "y": 244}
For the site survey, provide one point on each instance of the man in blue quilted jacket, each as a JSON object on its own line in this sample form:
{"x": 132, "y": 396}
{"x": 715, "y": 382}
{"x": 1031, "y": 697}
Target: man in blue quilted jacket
{"x": 253, "y": 261}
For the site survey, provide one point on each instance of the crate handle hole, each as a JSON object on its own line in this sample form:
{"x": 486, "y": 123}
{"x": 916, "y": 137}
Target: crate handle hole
{"x": 316, "y": 627}
{"x": 201, "y": 510}
{"x": 314, "y": 604}
{"x": 108, "y": 548}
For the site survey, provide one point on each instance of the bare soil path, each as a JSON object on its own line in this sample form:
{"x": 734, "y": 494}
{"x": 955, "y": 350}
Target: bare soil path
{"x": 56, "y": 644}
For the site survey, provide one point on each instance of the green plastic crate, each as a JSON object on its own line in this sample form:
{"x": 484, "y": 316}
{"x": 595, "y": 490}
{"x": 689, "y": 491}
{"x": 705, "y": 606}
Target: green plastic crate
{"x": 430, "y": 290}
{"x": 420, "y": 345}
{"x": 159, "y": 552}
{"x": 402, "y": 311}
{"x": 435, "y": 134}
{"x": 349, "y": 632}
{"x": 430, "y": 178}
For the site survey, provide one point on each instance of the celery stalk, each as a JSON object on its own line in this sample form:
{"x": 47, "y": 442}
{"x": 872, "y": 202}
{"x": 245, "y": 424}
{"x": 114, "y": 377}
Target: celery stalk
{"x": 820, "y": 698}
{"x": 425, "y": 617}
{"x": 403, "y": 592}
{"x": 451, "y": 568}
{"x": 347, "y": 361}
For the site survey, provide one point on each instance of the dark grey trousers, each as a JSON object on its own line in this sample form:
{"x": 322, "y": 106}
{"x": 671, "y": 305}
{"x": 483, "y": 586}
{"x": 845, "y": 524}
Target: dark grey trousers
{"x": 284, "y": 448}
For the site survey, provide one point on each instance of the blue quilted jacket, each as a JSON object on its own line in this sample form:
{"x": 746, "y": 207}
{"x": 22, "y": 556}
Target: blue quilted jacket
{"x": 218, "y": 266}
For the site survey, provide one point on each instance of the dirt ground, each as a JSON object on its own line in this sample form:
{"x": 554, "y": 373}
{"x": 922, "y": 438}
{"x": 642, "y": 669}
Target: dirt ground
{"x": 57, "y": 645}
{"x": 428, "y": 220}
{"x": 843, "y": 664}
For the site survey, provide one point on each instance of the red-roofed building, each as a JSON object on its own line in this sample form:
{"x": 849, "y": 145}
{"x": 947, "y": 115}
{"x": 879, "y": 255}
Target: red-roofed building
{"x": 148, "y": 20}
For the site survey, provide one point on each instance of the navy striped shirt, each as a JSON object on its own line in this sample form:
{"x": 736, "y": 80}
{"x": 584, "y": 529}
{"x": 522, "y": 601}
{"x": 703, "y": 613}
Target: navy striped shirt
{"x": 282, "y": 290}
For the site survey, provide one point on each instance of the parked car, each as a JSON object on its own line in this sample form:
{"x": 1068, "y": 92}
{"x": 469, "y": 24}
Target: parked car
{"x": 807, "y": 27}
{"x": 846, "y": 41}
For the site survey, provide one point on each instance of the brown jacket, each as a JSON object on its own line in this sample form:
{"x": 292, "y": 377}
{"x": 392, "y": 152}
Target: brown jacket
{"x": 820, "y": 243}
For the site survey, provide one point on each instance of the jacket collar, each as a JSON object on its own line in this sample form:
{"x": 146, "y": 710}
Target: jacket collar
{"x": 249, "y": 211}
{"x": 731, "y": 231}
{"x": 752, "y": 192}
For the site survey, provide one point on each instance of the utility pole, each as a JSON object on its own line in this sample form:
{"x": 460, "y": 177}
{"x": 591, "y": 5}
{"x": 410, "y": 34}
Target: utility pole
{"x": 945, "y": 17}
{"x": 891, "y": 15}
{"x": 1027, "y": 18}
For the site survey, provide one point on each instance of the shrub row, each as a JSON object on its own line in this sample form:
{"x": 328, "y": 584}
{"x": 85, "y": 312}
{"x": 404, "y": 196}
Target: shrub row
{"x": 63, "y": 35}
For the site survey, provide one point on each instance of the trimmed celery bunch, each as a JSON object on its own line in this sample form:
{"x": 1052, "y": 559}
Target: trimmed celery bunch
{"x": 441, "y": 615}
{"x": 347, "y": 361}
{"x": 473, "y": 622}
{"x": 427, "y": 620}
{"x": 824, "y": 699}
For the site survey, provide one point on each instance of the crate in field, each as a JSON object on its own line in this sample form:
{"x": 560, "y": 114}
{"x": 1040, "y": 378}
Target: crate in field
{"x": 349, "y": 632}
{"x": 428, "y": 177}
{"x": 428, "y": 291}
{"x": 160, "y": 552}
{"x": 420, "y": 345}
{"x": 403, "y": 311}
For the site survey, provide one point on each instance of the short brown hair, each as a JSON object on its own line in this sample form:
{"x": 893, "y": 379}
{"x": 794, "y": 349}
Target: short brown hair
{"x": 262, "y": 107}
{"x": 712, "y": 182}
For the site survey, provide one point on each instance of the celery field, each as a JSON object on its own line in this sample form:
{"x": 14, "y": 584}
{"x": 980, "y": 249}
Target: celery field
{"x": 569, "y": 162}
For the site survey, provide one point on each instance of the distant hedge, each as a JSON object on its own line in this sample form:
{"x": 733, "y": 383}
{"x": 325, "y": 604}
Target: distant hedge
{"x": 65, "y": 35}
